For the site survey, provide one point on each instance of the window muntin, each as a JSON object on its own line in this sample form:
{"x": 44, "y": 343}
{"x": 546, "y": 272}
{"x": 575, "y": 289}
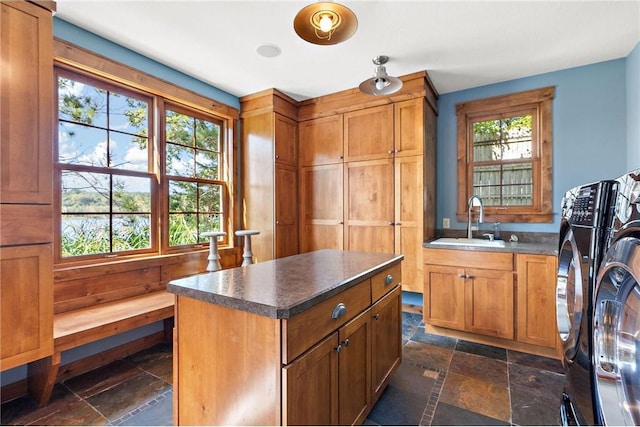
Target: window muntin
{"x": 505, "y": 156}
{"x": 502, "y": 159}
{"x": 103, "y": 167}
{"x": 193, "y": 167}
{"x": 118, "y": 194}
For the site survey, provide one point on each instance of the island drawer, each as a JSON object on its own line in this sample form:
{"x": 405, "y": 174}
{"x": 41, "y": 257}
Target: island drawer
{"x": 385, "y": 281}
{"x": 304, "y": 330}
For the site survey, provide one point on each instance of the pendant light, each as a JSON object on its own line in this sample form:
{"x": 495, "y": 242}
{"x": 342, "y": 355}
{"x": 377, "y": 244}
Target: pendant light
{"x": 325, "y": 23}
{"x": 381, "y": 83}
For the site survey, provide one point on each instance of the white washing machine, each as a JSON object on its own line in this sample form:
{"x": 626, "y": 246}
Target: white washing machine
{"x": 616, "y": 321}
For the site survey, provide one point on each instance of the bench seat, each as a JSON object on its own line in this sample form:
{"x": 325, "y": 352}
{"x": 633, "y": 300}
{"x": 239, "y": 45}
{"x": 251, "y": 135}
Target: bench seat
{"x": 74, "y": 328}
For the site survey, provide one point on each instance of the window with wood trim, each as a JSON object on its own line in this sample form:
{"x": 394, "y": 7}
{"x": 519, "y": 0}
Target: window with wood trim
{"x": 136, "y": 174}
{"x": 505, "y": 156}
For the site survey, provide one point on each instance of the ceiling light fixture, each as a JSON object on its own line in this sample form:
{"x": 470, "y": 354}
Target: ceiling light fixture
{"x": 381, "y": 83}
{"x": 325, "y": 23}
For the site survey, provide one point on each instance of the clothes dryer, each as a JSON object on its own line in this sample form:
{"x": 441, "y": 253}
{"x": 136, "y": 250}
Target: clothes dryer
{"x": 579, "y": 255}
{"x": 616, "y": 321}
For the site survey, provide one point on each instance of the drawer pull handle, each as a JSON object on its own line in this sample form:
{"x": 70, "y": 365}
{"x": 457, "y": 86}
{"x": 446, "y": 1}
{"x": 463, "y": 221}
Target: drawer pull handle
{"x": 339, "y": 311}
{"x": 388, "y": 280}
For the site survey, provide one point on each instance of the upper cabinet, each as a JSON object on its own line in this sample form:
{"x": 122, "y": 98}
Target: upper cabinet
{"x": 410, "y": 126}
{"x": 321, "y": 141}
{"x": 27, "y": 104}
{"x": 368, "y": 133}
{"x": 286, "y": 140}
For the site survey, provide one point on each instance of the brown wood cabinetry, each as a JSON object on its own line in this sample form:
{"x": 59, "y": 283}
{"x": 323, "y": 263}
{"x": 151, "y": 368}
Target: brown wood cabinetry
{"x": 321, "y": 141}
{"x": 388, "y": 180}
{"x": 26, "y": 184}
{"x": 368, "y": 133}
{"x": 270, "y": 173}
{"x": 536, "y": 299}
{"x": 321, "y": 207}
{"x": 386, "y": 340}
{"x": 315, "y": 368}
{"x": 476, "y": 297}
{"x": 498, "y": 298}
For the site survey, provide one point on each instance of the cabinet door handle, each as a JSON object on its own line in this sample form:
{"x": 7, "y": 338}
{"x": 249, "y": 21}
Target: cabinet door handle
{"x": 346, "y": 342}
{"x": 338, "y": 348}
{"x": 339, "y": 311}
{"x": 340, "y": 222}
{"x": 389, "y": 151}
{"x": 392, "y": 223}
{"x": 388, "y": 280}
{"x": 376, "y": 316}
{"x": 468, "y": 276}
{"x": 460, "y": 275}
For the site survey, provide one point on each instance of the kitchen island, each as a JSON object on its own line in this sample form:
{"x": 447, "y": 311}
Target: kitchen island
{"x": 307, "y": 339}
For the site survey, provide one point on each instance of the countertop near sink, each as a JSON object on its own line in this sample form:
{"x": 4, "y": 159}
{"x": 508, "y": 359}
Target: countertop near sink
{"x": 529, "y": 243}
{"x": 284, "y": 287}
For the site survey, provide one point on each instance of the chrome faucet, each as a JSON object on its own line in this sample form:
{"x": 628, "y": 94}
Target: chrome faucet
{"x": 471, "y": 204}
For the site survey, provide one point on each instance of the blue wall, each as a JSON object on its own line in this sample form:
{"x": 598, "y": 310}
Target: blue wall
{"x": 80, "y": 37}
{"x": 589, "y": 132}
{"x": 633, "y": 109}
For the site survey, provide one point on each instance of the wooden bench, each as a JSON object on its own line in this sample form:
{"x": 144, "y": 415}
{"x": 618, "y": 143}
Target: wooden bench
{"x": 81, "y": 326}
{"x": 96, "y": 302}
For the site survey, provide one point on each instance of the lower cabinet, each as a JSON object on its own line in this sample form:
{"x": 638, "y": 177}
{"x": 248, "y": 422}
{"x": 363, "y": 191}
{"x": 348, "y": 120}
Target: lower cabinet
{"x": 536, "y": 299}
{"x": 386, "y": 330}
{"x": 493, "y": 295}
{"x": 27, "y": 304}
{"x": 462, "y": 296}
{"x": 339, "y": 380}
{"x": 324, "y": 366}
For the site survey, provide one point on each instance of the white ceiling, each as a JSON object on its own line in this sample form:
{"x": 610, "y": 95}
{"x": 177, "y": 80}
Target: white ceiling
{"x": 461, "y": 44}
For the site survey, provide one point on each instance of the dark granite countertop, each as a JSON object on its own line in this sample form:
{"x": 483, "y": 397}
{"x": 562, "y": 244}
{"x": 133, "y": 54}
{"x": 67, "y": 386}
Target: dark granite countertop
{"x": 284, "y": 287}
{"x": 544, "y": 248}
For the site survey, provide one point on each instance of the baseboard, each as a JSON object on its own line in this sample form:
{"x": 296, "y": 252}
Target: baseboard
{"x": 73, "y": 369}
{"x": 111, "y": 355}
{"x": 496, "y": 342}
{"x": 14, "y": 390}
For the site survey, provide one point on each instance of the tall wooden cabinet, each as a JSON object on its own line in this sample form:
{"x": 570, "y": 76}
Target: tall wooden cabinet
{"x": 26, "y": 216}
{"x": 384, "y": 157}
{"x": 270, "y": 173}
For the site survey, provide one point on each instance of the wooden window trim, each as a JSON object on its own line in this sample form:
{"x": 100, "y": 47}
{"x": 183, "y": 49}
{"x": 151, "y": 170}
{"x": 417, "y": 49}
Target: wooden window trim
{"x": 84, "y": 62}
{"x": 541, "y": 101}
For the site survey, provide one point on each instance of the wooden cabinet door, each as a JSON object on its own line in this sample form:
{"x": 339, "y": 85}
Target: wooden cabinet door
{"x": 321, "y": 207}
{"x": 369, "y": 208}
{"x": 310, "y": 385}
{"x": 354, "y": 370}
{"x": 536, "y": 299}
{"x": 26, "y": 298}
{"x": 286, "y": 208}
{"x": 286, "y": 140}
{"x": 321, "y": 141}
{"x": 386, "y": 329}
{"x": 444, "y": 296}
{"x": 409, "y": 127}
{"x": 26, "y": 104}
{"x": 368, "y": 134}
{"x": 409, "y": 219}
{"x": 489, "y": 302}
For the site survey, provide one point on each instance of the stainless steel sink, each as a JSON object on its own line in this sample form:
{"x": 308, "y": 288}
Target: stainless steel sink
{"x": 463, "y": 241}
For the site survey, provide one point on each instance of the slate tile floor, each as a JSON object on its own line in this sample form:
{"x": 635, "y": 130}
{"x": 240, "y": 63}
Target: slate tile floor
{"x": 441, "y": 381}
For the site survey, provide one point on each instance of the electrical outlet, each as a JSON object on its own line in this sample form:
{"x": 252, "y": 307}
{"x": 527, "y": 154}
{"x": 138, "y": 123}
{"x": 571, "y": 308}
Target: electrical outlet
{"x": 446, "y": 223}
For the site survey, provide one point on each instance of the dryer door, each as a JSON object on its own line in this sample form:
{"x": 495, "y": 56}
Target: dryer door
{"x": 617, "y": 334}
{"x": 569, "y": 302}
